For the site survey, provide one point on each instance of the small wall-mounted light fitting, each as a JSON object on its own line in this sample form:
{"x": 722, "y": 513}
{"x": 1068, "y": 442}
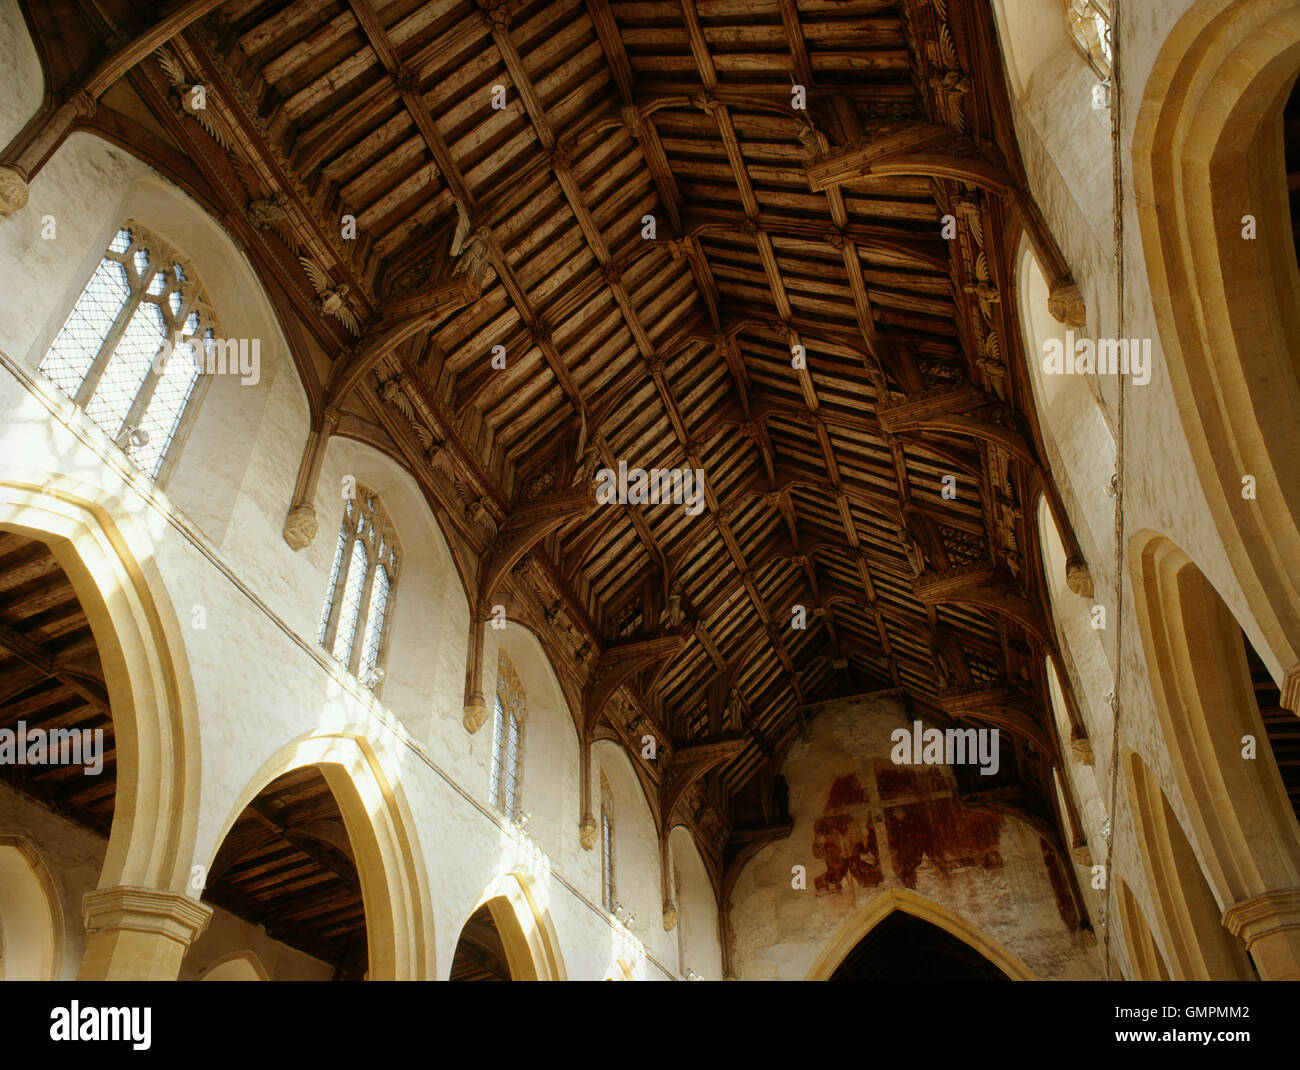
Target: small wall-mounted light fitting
{"x": 133, "y": 437}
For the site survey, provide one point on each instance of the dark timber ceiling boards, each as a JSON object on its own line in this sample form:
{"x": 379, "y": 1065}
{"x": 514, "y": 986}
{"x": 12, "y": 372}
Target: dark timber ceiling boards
{"x": 775, "y": 228}
{"x": 287, "y": 865}
{"x": 51, "y": 679}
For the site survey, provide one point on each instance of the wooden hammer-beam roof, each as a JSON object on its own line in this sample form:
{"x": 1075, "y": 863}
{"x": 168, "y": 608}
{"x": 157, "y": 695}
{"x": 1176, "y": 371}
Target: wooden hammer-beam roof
{"x": 801, "y": 326}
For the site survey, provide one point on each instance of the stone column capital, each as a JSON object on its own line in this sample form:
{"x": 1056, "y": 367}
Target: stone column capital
{"x": 1263, "y": 915}
{"x": 1291, "y": 689}
{"x": 145, "y": 910}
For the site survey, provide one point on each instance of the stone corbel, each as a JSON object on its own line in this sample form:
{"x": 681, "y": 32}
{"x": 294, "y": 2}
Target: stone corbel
{"x": 300, "y": 526}
{"x": 1065, "y": 303}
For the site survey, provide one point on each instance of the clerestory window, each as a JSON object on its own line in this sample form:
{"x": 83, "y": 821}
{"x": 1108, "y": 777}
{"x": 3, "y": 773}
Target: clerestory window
{"x": 607, "y": 845}
{"x": 358, "y": 603}
{"x": 507, "y": 739}
{"x": 1090, "y": 26}
{"x": 112, "y": 356}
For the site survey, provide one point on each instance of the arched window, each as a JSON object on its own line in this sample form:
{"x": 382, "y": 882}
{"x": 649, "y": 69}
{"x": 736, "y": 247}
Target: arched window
{"x": 109, "y": 356}
{"x": 354, "y": 622}
{"x": 507, "y": 738}
{"x": 606, "y": 844}
{"x": 1090, "y": 22}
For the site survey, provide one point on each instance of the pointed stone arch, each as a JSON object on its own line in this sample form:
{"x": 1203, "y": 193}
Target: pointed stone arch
{"x": 1187, "y": 912}
{"x": 154, "y": 709}
{"x": 237, "y": 966}
{"x": 1238, "y": 809}
{"x": 878, "y": 909}
{"x": 31, "y": 915}
{"x": 1145, "y": 957}
{"x": 527, "y": 932}
{"x": 1207, "y": 150}
{"x": 394, "y": 888}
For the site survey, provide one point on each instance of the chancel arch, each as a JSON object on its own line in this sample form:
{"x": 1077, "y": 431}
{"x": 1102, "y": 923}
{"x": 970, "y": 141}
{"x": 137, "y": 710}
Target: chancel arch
{"x": 986, "y": 954}
{"x": 326, "y": 814}
{"x": 1217, "y": 233}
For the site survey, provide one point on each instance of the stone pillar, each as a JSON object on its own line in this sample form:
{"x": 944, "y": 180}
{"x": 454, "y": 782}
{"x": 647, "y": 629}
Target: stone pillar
{"x": 138, "y": 934}
{"x": 1269, "y": 926}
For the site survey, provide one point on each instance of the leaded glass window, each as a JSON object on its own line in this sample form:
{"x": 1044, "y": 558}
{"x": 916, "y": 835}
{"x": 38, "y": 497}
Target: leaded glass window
{"x": 1090, "y": 26}
{"x": 142, "y": 294}
{"x": 507, "y": 738}
{"x": 606, "y": 845}
{"x": 358, "y": 601}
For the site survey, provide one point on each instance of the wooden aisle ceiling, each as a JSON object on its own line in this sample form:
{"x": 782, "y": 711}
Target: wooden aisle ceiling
{"x": 777, "y": 230}
{"x": 51, "y": 680}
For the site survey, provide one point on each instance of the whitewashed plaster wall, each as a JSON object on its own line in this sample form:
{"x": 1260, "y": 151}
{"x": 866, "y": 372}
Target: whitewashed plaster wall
{"x": 779, "y": 930}
{"x": 697, "y": 909}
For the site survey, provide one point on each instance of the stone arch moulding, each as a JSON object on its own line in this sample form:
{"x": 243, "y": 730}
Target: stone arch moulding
{"x": 151, "y": 695}
{"x": 1206, "y": 152}
{"x": 527, "y": 932}
{"x": 237, "y": 966}
{"x": 29, "y": 900}
{"x": 394, "y": 890}
{"x": 1205, "y": 700}
{"x": 1186, "y": 911}
{"x": 857, "y": 925}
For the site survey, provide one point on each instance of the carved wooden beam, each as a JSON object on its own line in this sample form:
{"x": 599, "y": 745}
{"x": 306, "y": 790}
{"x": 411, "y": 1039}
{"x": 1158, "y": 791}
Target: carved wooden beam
{"x": 393, "y": 325}
{"x": 618, "y": 663}
{"x": 987, "y": 589}
{"x": 37, "y": 657}
{"x": 526, "y": 526}
{"x": 690, "y": 761}
{"x": 1002, "y": 706}
{"x": 855, "y": 162}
